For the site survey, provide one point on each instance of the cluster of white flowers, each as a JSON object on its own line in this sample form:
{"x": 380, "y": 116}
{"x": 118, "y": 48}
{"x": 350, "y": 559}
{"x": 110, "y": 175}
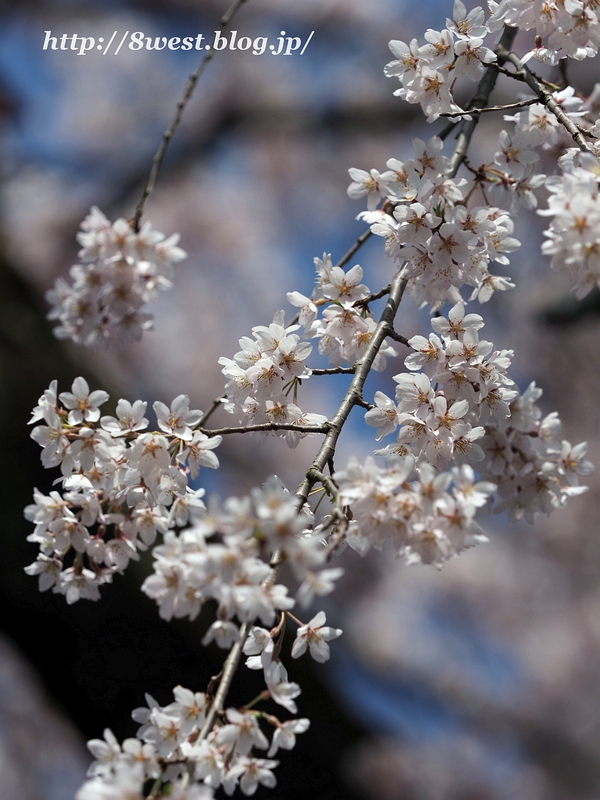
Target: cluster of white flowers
{"x": 121, "y": 484}
{"x": 457, "y": 394}
{"x": 571, "y": 26}
{"x": 535, "y": 471}
{"x": 514, "y": 175}
{"x": 169, "y": 751}
{"x": 264, "y": 373}
{"x": 412, "y": 507}
{"x": 574, "y": 232}
{"x": 260, "y": 648}
{"x": 427, "y": 225}
{"x": 122, "y": 487}
{"x": 456, "y": 385}
{"x": 264, "y": 376}
{"x": 346, "y": 325}
{"x": 466, "y": 437}
{"x": 120, "y": 271}
{"x": 427, "y": 72}
{"x": 233, "y": 568}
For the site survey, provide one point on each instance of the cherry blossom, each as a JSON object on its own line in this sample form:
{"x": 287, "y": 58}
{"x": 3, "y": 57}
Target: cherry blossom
{"x": 466, "y": 440}
{"x": 120, "y": 271}
{"x": 315, "y": 636}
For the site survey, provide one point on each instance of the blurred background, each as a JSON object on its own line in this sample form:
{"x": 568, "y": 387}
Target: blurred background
{"x": 476, "y": 683}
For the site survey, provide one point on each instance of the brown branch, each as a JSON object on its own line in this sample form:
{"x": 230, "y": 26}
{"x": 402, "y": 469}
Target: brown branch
{"x": 212, "y": 408}
{"x": 356, "y": 246}
{"x": 334, "y": 371}
{"x": 505, "y": 107}
{"x": 266, "y": 426}
{"x": 353, "y": 395}
{"x": 337, "y": 538}
{"x": 226, "y": 676}
{"x": 399, "y": 338}
{"x": 364, "y": 301}
{"x": 479, "y": 101}
{"x": 503, "y": 71}
{"x": 327, "y": 482}
{"x": 168, "y": 134}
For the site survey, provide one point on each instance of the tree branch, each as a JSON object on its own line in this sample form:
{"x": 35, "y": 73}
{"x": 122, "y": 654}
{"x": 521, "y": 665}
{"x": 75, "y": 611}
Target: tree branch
{"x": 356, "y": 246}
{"x": 168, "y": 134}
{"x": 370, "y": 298}
{"x": 353, "y": 395}
{"x": 327, "y": 482}
{"x": 505, "y": 107}
{"x": 227, "y": 673}
{"x": 212, "y": 408}
{"x": 334, "y": 371}
{"x": 266, "y": 426}
{"x": 479, "y": 101}
{"x": 398, "y": 338}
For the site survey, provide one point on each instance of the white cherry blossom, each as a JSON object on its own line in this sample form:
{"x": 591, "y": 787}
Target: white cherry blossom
{"x": 315, "y": 636}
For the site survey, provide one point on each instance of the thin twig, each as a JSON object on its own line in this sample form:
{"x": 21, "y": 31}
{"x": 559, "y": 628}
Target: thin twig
{"x": 168, "y": 134}
{"x": 266, "y": 426}
{"x": 327, "y": 482}
{"x": 505, "y": 107}
{"x": 337, "y": 538}
{"x": 364, "y": 404}
{"x": 364, "y": 301}
{"x": 503, "y": 71}
{"x": 218, "y": 401}
{"x": 398, "y": 338}
{"x": 229, "y": 668}
{"x": 357, "y": 244}
{"x": 334, "y": 371}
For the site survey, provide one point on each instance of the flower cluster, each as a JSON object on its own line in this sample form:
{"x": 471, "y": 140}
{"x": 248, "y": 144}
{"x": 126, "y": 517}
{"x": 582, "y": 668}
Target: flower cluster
{"x": 263, "y": 374}
{"x": 465, "y": 437}
{"x": 170, "y": 751}
{"x": 346, "y": 325}
{"x": 458, "y": 405}
{"x": 261, "y": 645}
{"x": 120, "y": 270}
{"x": 233, "y": 568}
{"x": 574, "y": 231}
{"x": 426, "y": 224}
{"x": 515, "y": 175}
{"x": 427, "y": 72}
{"x": 133, "y": 485}
{"x": 426, "y": 515}
{"x": 535, "y": 470}
{"x": 456, "y": 384}
{"x": 122, "y": 485}
{"x": 572, "y": 28}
